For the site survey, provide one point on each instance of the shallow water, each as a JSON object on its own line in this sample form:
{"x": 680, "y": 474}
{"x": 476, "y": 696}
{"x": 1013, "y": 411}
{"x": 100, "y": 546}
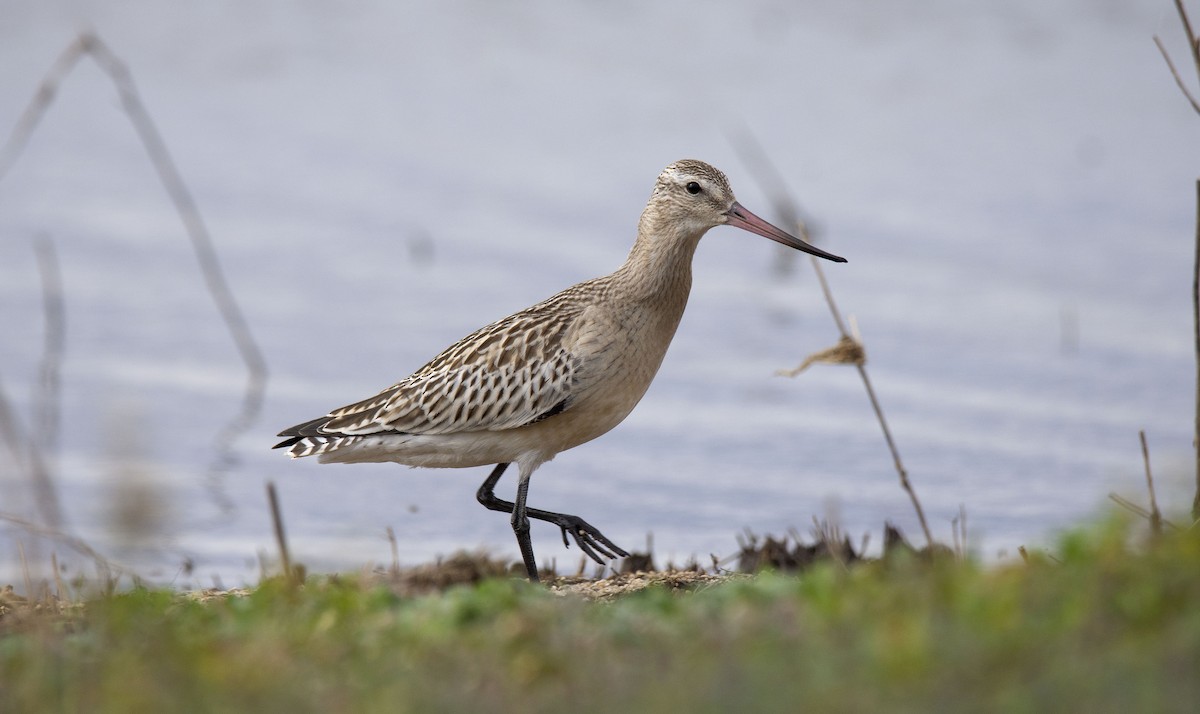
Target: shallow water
{"x": 1013, "y": 187}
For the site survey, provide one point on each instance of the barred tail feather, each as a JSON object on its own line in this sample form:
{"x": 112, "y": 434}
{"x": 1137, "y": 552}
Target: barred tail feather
{"x": 301, "y": 446}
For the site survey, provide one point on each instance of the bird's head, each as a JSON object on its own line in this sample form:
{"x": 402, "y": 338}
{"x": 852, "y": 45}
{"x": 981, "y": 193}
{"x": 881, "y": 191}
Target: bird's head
{"x": 691, "y": 196}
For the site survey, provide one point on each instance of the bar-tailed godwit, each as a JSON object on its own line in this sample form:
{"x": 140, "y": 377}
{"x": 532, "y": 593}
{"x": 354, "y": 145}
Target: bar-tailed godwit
{"x": 551, "y": 376}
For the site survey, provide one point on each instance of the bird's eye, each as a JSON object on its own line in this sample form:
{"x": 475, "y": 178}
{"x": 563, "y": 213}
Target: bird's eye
{"x": 693, "y": 187}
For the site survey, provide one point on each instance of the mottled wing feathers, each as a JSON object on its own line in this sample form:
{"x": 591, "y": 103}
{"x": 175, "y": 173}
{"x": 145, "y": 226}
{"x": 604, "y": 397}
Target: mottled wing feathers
{"x": 513, "y": 372}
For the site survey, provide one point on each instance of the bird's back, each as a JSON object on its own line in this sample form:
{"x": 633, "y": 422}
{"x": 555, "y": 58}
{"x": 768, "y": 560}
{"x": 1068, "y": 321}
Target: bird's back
{"x": 574, "y": 364}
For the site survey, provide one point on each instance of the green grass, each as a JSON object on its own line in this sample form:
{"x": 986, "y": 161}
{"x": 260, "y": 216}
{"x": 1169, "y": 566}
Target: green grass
{"x": 1105, "y": 627}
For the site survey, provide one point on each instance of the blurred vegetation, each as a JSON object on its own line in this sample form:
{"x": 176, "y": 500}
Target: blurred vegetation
{"x": 1106, "y": 624}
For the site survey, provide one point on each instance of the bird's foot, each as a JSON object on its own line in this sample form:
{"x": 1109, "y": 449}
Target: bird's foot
{"x": 591, "y": 541}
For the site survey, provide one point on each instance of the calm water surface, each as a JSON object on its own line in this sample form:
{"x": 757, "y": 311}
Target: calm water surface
{"x": 1013, "y": 188}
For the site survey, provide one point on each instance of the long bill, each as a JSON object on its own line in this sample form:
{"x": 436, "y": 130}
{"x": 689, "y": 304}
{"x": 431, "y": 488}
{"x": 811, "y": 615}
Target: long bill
{"x": 741, "y": 218}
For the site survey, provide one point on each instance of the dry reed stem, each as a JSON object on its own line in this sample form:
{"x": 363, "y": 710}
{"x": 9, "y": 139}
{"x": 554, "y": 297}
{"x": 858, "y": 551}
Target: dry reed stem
{"x": 958, "y": 527}
{"x": 391, "y": 536}
{"x": 1194, "y": 48}
{"x": 90, "y": 44}
{"x": 28, "y": 458}
{"x": 1138, "y": 510}
{"x": 1193, "y": 41}
{"x": 25, "y": 572}
{"x": 883, "y": 425}
{"x": 46, "y": 420}
{"x": 827, "y": 532}
{"x": 74, "y": 543}
{"x": 1128, "y": 505}
{"x": 27, "y": 450}
{"x": 60, "y": 588}
{"x": 1175, "y": 73}
{"x": 280, "y": 537}
{"x": 54, "y": 318}
{"x": 1155, "y": 514}
{"x": 1196, "y": 339}
{"x": 783, "y": 203}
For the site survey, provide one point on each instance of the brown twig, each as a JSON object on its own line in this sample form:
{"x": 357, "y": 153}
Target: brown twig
{"x": 891, "y": 444}
{"x": 60, "y": 587}
{"x": 280, "y": 537}
{"x": 1196, "y": 340}
{"x": 1193, "y": 41}
{"x": 1155, "y": 514}
{"x": 958, "y": 526}
{"x": 883, "y": 425}
{"x": 1138, "y": 510}
{"x": 1175, "y": 73}
{"x": 25, "y": 572}
{"x": 1129, "y": 505}
{"x": 391, "y": 536}
{"x": 783, "y": 203}
{"x": 1194, "y": 48}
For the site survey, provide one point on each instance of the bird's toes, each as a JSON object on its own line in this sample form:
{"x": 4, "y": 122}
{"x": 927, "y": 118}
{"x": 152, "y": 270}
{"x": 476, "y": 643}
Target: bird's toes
{"x": 591, "y": 541}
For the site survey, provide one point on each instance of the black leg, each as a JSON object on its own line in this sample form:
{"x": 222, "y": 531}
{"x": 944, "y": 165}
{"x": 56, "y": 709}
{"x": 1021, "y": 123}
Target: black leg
{"x": 520, "y": 525}
{"x": 591, "y": 541}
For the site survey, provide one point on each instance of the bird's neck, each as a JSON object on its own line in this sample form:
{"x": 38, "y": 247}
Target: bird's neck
{"x": 659, "y": 267}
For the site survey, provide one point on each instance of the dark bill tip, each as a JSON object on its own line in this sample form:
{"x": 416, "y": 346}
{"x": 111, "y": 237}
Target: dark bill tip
{"x": 739, "y": 217}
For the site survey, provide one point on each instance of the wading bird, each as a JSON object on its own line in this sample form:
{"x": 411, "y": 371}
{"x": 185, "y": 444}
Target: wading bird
{"x": 551, "y": 376}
